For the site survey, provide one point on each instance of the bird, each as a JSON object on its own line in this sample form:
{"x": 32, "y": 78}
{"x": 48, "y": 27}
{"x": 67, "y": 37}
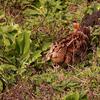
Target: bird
{"x": 73, "y": 48}
{"x": 69, "y": 49}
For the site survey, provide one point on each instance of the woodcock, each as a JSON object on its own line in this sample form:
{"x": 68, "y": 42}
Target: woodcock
{"x": 73, "y": 48}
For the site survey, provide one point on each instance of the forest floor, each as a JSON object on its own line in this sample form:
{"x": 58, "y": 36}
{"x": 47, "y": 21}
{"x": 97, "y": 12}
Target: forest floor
{"x": 41, "y": 81}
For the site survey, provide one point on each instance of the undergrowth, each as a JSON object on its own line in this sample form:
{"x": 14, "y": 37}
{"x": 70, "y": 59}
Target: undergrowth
{"x": 27, "y": 29}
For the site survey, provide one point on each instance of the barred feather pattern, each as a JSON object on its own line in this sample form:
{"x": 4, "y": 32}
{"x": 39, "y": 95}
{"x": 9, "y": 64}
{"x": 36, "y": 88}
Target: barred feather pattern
{"x": 70, "y": 49}
{"x": 73, "y": 48}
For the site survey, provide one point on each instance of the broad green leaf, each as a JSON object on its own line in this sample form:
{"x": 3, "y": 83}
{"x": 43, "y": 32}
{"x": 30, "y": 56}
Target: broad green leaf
{"x": 72, "y": 96}
{"x": 19, "y": 43}
{"x": 26, "y": 41}
{"x": 23, "y": 45}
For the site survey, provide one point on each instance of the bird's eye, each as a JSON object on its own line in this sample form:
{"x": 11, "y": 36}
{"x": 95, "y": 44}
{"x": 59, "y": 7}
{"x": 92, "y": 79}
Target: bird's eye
{"x": 55, "y": 46}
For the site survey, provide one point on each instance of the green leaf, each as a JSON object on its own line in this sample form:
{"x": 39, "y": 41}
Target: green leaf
{"x": 1, "y": 86}
{"x": 72, "y": 96}
{"x": 46, "y": 45}
{"x": 26, "y": 41}
{"x": 5, "y": 67}
{"x": 19, "y": 43}
{"x": 98, "y": 7}
{"x": 37, "y": 54}
{"x": 6, "y": 41}
{"x": 98, "y": 52}
{"x": 83, "y": 95}
{"x": 31, "y": 12}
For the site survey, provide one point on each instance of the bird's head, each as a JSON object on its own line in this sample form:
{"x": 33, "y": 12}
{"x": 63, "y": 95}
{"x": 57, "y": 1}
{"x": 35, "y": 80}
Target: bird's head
{"x": 76, "y": 26}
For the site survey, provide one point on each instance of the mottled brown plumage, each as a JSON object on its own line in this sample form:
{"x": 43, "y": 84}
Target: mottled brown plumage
{"x": 73, "y": 48}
